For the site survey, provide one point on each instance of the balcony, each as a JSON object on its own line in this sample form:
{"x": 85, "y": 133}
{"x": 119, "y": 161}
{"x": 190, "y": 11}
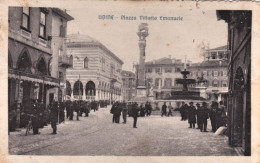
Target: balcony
{"x": 64, "y": 61}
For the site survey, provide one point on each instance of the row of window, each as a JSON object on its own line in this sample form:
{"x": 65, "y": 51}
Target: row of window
{"x": 26, "y": 18}
{"x": 166, "y": 70}
{"x": 26, "y": 21}
{"x": 168, "y": 83}
{"x": 208, "y": 73}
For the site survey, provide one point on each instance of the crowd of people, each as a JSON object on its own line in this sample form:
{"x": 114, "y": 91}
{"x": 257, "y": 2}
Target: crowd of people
{"x": 55, "y": 113}
{"x": 200, "y": 115}
{"x": 41, "y": 116}
{"x": 132, "y": 109}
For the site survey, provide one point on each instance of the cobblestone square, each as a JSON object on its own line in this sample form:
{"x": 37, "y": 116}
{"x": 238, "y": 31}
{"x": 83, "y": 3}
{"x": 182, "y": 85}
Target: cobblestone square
{"x": 96, "y": 135}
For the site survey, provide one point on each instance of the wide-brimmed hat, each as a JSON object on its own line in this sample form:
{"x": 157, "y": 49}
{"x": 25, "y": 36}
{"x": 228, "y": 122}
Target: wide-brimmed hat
{"x": 198, "y": 104}
{"x": 191, "y": 102}
{"x": 204, "y": 103}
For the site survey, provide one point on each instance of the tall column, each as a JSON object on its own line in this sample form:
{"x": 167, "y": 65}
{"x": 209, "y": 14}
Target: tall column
{"x": 96, "y": 96}
{"x": 142, "y": 34}
{"x": 84, "y": 91}
{"x": 72, "y": 94}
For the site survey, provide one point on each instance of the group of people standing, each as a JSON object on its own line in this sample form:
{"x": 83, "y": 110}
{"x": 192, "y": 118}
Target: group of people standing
{"x": 41, "y": 116}
{"x": 201, "y": 114}
{"x": 131, "y": 109}
{"x": 167, "y": 110}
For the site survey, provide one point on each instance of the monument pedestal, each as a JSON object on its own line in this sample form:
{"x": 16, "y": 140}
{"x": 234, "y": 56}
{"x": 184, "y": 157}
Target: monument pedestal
{"x": 141, "y": 91}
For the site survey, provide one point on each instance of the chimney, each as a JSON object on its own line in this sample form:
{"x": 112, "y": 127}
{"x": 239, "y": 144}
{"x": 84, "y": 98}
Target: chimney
{"x": 170, "y": 56}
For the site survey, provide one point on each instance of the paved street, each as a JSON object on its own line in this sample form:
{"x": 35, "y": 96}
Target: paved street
{"x": 97, "y": 135}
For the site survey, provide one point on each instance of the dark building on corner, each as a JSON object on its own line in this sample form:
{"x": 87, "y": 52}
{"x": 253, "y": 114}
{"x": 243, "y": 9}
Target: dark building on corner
{"x": 239, "y": 73}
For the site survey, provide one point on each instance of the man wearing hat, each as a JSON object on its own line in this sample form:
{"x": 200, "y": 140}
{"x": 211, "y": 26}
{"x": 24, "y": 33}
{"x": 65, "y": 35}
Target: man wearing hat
{"x": 204, "y": 117}
{"x": 212, "y": 115}
{"x": 164, "y": 109}
{"x": 182, "y": 111}
{"x": 135, "y": 110}
{"x": 192, "y": 115}
{"x": 199, "y": 113}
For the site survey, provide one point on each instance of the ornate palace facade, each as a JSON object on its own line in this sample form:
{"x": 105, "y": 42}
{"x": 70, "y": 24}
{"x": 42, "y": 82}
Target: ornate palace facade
{"x": 96, "y": 71}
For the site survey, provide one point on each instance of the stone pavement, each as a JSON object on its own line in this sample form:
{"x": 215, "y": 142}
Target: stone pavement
{"x": 97, "y": 135}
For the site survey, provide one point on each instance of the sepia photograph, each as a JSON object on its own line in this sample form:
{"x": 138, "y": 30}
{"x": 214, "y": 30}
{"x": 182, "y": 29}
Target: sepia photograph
{"x": 129, "y": 80}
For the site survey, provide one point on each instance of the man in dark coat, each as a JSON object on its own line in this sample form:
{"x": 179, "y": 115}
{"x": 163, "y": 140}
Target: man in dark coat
{"x": 54, "y": 117}
{"x": 170, "y": 110}
{"x": 35, "y": 118}
{"x": 135, "y": 111}
{"x": 76, "y": 108}
{"x": 204, "y": 117}
{"x": 192, "y": 115}
{"x": 212, "y": 115}
{"x": 182, "y": 110}
{"x": 164, "y": 109}
{"x": 70, "y": 110}
{"x": 142, "y": 111}
{"x": 112, "y": 111}
{"x": 118, "y": 112}
{"x": 198, "y": 115}
{"x": 124, "y": 112}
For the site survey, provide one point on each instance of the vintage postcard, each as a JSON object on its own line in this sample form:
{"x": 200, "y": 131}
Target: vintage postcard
{"x": 129, "y": 81}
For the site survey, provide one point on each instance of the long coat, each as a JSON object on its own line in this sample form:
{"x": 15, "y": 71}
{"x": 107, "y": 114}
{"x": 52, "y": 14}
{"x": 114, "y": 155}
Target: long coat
{"x": 192, "y": 114}
{"x": 54, "y": 114}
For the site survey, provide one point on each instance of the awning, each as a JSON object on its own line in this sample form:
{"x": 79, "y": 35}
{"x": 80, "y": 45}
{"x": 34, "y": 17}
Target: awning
{"x": 15, "y": 74}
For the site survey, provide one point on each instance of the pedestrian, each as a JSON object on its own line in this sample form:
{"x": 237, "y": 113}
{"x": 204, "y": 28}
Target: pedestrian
{"x": 71, "y": 110}
{"x": 35, "y": 118}
{"x": 118, "y": 112}
{"x": 112, "y": 111}
{"x": 170, "y": 110}
{"x": 146, "y": 108}
{"x": 204, "y": 117}
{"x": 149, "y": 109}
{"x": 54, "y": 117}
{"x": 192, "y": 115}
{"x": 124, "y": 112}
{"x": 182, "y": 110}
{"x": 212, "y": 115}
{"x": 76, "y": 108}
{"x": 135, "y": 110}
{"x": 142, "y": 111}
{"x": 164, "y": 109}
{"x": 198, "y": 115}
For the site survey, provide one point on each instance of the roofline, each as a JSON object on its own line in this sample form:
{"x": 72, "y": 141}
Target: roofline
{"x": 63, "y": 14}
{"x": 98, "y": 44}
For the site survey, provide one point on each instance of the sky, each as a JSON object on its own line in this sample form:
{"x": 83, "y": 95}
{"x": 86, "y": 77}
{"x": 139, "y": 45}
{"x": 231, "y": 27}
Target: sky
{"x": 175, "y": 38}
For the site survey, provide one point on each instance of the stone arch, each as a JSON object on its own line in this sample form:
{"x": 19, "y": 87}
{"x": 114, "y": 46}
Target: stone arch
{"x": 41, "y": 66}
{"x": 24, "y": 62}
{"x": 78, "y": 88}
{"x": 90, "y": 88}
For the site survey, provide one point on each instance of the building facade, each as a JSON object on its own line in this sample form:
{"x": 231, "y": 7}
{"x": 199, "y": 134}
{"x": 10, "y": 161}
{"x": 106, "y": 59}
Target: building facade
{"x": 213, "y": 71}
{"x": 160, "y": 76}
{"x": 60, "y": 60}
{"x": 129, "y": 85}
{"x": 239, "y": 73}
{"x": 96, "y": 71}
{"x": 29, "y": 56}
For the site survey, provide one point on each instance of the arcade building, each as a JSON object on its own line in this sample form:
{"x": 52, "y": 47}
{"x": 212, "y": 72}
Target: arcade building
{"x": 95, "y": 73}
